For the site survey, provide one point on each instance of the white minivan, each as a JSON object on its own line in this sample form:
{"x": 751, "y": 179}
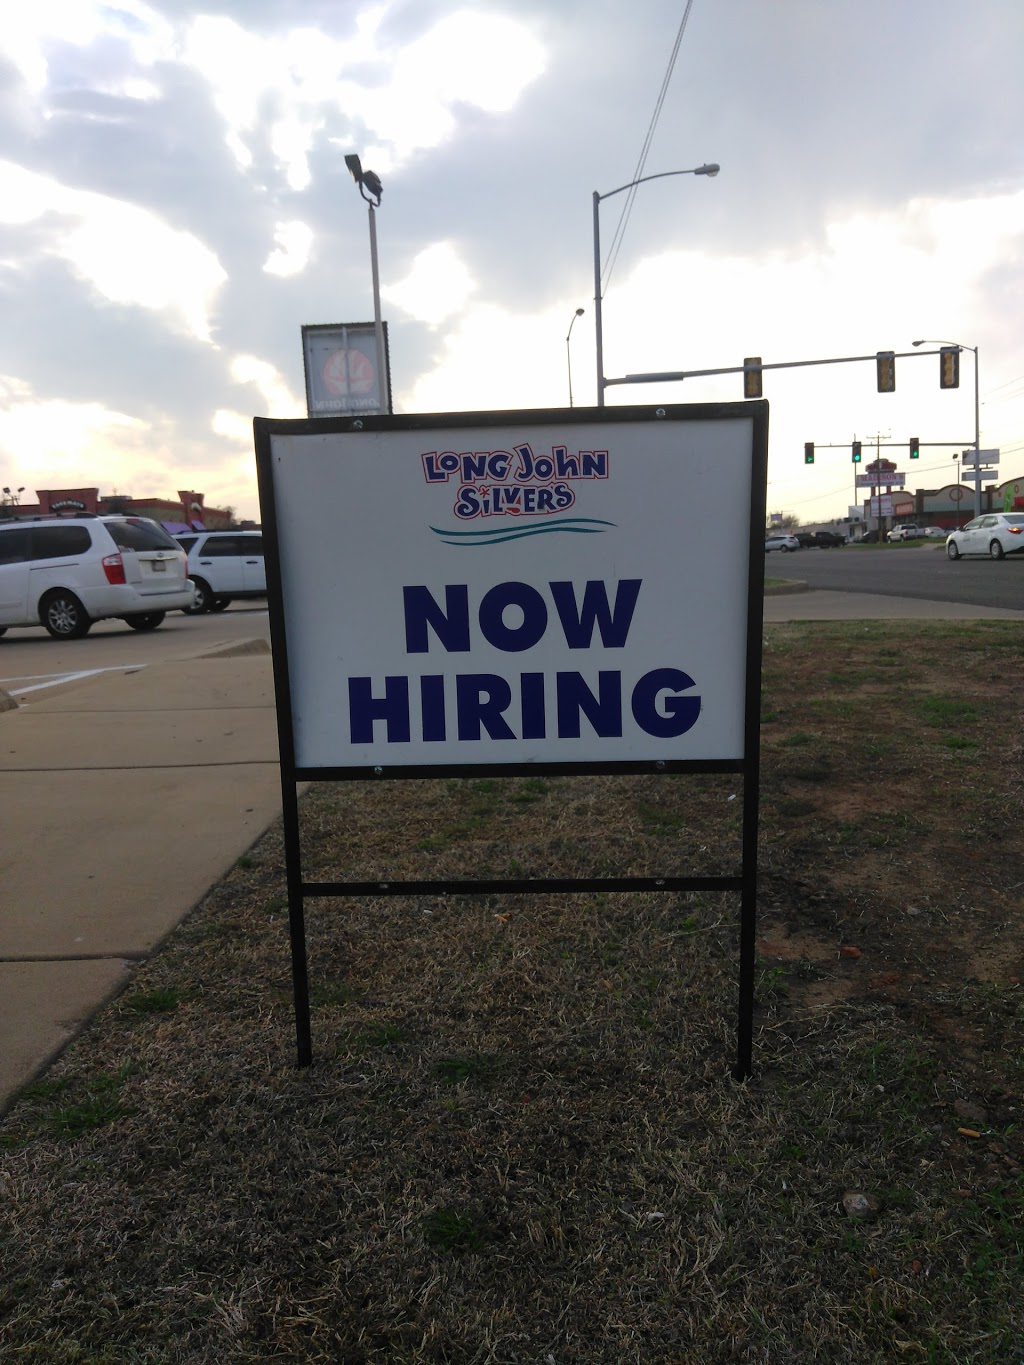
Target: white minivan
{"x": 64, "y": 573}
{"x": 224, "y": 565}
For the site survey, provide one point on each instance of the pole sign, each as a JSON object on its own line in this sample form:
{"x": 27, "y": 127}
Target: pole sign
{"x": 341, "y": 369}
{"x": 980, "y": 457}
{"x": 517, "y": 593}
{"x": 887, "y": 479}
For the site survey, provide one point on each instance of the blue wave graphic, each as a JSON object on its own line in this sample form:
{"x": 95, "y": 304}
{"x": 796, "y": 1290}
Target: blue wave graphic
{"x": 574, "y": 526}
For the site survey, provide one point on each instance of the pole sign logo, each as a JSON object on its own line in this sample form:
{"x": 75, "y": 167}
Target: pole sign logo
{"x": 341, "y": 370}
{"x": 524, "y": 590}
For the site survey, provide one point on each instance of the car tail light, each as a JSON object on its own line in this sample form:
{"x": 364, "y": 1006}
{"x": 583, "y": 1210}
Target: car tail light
{"x": 113, "y": 567}
{"x": 1013, "y": 530}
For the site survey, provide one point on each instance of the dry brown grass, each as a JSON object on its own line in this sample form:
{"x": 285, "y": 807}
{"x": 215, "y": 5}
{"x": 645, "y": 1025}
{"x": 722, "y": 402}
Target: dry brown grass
{"x": 520, "y": 1141}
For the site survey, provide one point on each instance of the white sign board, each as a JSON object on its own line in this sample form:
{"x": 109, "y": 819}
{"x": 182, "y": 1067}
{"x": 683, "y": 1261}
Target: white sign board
{"x": 982, "y": 457}
{"x": 539, "y": 588}
{"x": 882, "y": 506}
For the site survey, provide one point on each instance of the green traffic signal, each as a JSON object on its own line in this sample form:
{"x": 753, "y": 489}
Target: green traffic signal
{"x": 808, "y": 452}
{"x": 856, "y": 452}
{"x": 915, "y": 448}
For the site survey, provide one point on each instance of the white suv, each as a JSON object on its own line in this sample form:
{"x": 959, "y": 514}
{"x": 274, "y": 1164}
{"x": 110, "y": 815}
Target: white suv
{"x": 64, "y": 573}
{"x": 224, "y": 565}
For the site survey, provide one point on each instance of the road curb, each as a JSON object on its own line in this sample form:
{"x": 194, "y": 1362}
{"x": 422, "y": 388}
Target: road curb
{"x": 788, "y": 585}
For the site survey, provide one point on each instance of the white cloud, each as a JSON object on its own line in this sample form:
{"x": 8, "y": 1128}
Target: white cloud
{"x": 407, "y": 97}
{"x": 127, "y": 254}
{"x": 436, "y": 287}
{"x": 291, "y": 254}
{"x": 278, "y": 399}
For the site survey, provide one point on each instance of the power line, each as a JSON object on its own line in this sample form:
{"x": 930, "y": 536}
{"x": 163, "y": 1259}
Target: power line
{"x": 620, "y": 229}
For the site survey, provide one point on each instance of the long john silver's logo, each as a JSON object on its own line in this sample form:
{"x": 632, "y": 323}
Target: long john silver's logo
{"x": 533, "y": 489}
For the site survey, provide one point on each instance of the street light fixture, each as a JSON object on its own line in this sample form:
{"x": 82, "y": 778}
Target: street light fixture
{"x": 709, "y": 169}
{"x": 371, "y": 190}
{"x": 977, "y": 414}
{"x": 568, "y": 358}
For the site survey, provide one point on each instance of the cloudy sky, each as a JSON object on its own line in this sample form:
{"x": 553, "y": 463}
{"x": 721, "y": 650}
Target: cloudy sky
{"x": 174, "y": 206}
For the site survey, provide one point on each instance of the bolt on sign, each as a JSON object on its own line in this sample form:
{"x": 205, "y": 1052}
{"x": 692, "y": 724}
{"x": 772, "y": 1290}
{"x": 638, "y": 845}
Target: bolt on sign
{"x": 507, "y": 593}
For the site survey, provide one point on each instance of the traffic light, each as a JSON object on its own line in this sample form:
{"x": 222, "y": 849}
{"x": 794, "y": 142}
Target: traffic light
{"x": 856, "y": 452}
{"x": 808, "y": 452}
{"x": 885, "y": 370}
{"x": 915, "y": 448}
{"x": 949, "y": 367}
{"x": 751, "y": 378}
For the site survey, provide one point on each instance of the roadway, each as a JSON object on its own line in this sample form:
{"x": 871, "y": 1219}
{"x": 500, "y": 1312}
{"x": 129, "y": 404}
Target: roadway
{"x": 920, "y": 572}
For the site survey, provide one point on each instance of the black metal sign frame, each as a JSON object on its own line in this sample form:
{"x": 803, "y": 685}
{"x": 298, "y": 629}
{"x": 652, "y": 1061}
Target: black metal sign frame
{"x": 744, "y": 882}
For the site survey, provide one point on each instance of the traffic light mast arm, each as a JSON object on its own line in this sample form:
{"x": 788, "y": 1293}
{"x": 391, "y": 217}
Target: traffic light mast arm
{"x": 669, "y": 375}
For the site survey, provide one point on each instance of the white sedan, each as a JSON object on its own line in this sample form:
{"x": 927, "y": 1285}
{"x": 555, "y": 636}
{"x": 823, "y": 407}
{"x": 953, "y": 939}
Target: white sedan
{"x": 780, "y": 542}
{"x": 997, "y": 534}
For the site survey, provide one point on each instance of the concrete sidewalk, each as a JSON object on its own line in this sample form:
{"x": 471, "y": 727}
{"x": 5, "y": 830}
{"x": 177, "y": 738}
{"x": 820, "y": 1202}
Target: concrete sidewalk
{"x": 124, "y": 800}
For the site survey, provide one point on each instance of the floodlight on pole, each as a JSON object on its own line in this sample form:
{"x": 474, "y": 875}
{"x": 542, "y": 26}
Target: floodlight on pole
{"x": 977, "y": 412}
{"x": 568, "y": 358}
{"x": 710, "y": 169}
{"x": 371, "y": 190}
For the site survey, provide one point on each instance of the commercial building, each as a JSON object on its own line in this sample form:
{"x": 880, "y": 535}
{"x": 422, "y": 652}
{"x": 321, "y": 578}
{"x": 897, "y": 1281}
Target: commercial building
{"x": 188, "y": 513}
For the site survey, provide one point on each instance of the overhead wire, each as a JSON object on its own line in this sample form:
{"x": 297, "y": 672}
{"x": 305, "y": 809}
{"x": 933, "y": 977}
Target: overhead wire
{"x": 620, "y": 229}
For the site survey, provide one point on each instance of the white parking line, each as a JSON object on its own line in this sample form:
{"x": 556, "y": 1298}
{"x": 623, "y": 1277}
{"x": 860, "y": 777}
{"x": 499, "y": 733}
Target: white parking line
{"x": 55, "y": 679}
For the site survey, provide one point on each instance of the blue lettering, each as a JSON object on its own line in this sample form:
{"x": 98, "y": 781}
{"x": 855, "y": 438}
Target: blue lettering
{"x": 513, "y": 639}
{"x": 451, "y": 626}
{"x": 531, "y": 695}
{"x": 613, "y": 623}
{"x": 677, "y": 714}
{"x": 432, "y": 707}
{"x": 481, "y": 699}
{"x": 364, "y": 708}
{"x": 574, "y": 698}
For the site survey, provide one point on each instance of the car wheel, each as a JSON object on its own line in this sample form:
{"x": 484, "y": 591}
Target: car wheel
{"x": 996, "y": 550}
{"x": 64, "y": 616}
{"x": 145, "y": 620}
{"x": 952, "y": 551}
{"x": 784, "y": 549}
{"x": 220, "y": 603}
{"x": 201, "y": 601}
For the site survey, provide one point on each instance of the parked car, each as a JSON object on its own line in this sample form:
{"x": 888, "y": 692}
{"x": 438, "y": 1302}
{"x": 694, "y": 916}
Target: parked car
{"x": 908, "y": 531}
{"x": 64, "y": 573}
{"x": 828, "y": 539}
{"x": 997, "y": 534}
{"x": 224, "y": 565}
{"x": 935, "y": 533}
{"x": 781, "y": 542}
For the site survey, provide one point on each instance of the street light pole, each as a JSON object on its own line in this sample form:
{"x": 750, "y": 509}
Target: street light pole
{"x": 568, "y": 358}
{"x": 977, "y": 414}
{"x": 371, "y": 189}
{"x": 710, "y": 169}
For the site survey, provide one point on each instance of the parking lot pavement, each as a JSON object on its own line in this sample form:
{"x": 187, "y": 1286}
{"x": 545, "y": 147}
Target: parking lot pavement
{"x": 125, "y": 798}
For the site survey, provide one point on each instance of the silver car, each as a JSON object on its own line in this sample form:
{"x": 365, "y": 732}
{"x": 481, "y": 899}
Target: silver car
{"x": 997, "y": 534}
{"x": 784, "y": 543}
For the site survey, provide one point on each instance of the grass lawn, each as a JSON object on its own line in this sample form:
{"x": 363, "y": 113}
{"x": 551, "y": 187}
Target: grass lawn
{"x": 520, "y": 1142}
